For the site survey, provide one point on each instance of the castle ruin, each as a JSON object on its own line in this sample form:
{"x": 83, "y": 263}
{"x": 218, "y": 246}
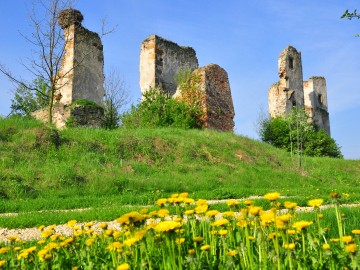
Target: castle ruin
{"x": 81, "y": 75}
{"x": 161, "y": 60}
{"x": 291, "y": 91}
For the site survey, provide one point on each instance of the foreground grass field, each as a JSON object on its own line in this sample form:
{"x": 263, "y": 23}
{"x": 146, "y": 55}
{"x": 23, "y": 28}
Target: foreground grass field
{"x": 246, "y": 236}
{"x": 44, "y": 170}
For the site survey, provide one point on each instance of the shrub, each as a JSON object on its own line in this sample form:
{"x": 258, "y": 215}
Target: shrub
{"x": 285, "y": 133}
{"x": 157, "y": 109}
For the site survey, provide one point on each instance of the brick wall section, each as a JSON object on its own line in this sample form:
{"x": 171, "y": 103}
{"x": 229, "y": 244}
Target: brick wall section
{"x": 217, "y": 101}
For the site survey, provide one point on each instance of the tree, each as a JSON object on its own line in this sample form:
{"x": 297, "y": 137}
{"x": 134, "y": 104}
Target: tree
{"x": 350, "y": 15}
{"x": 26, "y": 101}
{"x": 296, "y": 135}
{"x": 116, "y": 98}
{"x": 48, "y": 45}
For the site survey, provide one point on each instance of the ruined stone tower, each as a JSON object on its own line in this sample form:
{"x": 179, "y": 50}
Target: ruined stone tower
{"x": 82, "y": 71}
{"x": 291, "y": 91}
{"x": 81, "y": 76}
{"x": 316, "y": 104}
{"x": 161, "y": 60}
{"x": 288, "y": 92}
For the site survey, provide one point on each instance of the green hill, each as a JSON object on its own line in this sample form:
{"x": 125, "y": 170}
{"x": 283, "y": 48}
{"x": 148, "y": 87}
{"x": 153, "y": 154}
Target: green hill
{"x": 41, "y": 168}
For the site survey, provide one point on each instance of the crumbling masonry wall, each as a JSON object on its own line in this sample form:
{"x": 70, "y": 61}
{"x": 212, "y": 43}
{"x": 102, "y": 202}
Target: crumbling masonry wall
{"x": 217, "y": 102}
{"x": 161, "y": 60}
{"x": 82, "y": 72}
{"x": 288, "y": 92}
{"x": 316, "y": 104}
{"x": 291, "y": 91}
{"x": 81, "y": 75}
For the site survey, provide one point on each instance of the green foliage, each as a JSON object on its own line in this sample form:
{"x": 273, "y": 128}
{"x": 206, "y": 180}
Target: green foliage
{"x": 350, "y": 15}
{"x": 296, "y": 134}
{"x": 111, "y": 115}
{"x": 26, "y": 101}
{"x": 85, "y": 103}
{"x": 157, "y": 109}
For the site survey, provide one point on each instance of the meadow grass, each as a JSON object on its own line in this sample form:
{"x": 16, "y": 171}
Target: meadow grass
{"x": 45, "y": 169}
{"x": 183, "y": 233}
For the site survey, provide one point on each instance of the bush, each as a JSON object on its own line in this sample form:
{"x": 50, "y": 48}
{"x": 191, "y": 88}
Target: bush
{"x": 157, "y": 109}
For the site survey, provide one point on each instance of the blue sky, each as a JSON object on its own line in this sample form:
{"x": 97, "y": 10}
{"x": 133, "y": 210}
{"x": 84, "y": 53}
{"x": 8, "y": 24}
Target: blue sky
{"x": 244, "y": 37}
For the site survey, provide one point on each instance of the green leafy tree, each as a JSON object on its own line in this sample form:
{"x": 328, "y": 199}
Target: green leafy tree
{"x": 26, "y": 101}
{"x": 296, "y": 135}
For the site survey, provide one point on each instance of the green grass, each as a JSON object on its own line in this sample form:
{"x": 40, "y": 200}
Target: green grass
{"x": 45, "y": 169}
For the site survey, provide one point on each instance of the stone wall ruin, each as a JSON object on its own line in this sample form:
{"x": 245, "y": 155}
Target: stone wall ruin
{"x": 291, "y": 91}
{"x": 161, "y": 60}
{"x": 81, "y": 75}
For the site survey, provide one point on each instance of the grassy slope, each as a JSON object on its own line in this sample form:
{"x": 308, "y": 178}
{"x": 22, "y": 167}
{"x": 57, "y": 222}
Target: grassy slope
{"x": 99, "y": 168}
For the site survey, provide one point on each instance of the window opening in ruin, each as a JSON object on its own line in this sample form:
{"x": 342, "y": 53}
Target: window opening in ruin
{"x": 291, "y": 62}
{"x": 320, "y": 99}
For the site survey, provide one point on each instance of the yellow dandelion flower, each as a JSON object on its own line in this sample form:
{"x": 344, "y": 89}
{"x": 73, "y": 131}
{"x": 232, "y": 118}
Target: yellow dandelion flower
{"x": 114, "y": 246}
{"x": 347, "y": 239}
{"x": 40, "y": 242}
{"x": 301, "y": 225}
{"x": 290, "y": 205}
{"x": 198, "y": 239}
{"x": 124, "y": 266}
{"x": 51, "y": 246}
{"x": 191, "y": 251}
{"x": 202, "y": 202}
{"x": 231, "y": 253}
{"x": 267, "y": 217}
{"x": 201, "y": 208}
{"x": 163, "y": 213}
{"x": 232, "y": 202}
{"x": 220, "y": 222}
{"x": 189, "y": 201}
{"x": 213, "y": 232}
{"x": 228, "y": 214}
{"x": 12, "y": 238}
{"x": 4, "y": 250}
{"x": 161, "y": 201}
{"x": 108, "y": 232}
{"x": 315, "y": 202}
{"x": 89, "y": 224}
{"x": 189, "y": 212}
{"x": 251, "y": 238}
{"x": 242, "y": 223}
{"x": 75, "y": 268}
{"x": 2, "y": 263}
{"x": 356, "y": 232}
{"x": 273, "y": 235}
{"x": 205, "y": 247}
{"x": 326, "y": 246}
{"x": 351, "y": 248}
{"x": 212, "y": 213}
{"x": 166, "y": 226}
{"x": 131, "y": 241}
{"x": 248, "y": 202}
{"x": 103, "y": 226}
{"x": 279, "y": 224}
{"x": 223, "y": 232}
{"x": 254, "y": 210}
{"x": 291, "y": 232}
{"x": 183, "y": 195}
{"x": 290, "y": 246}
{"x": 171, "y": 200}
{"x": 175, "y": 195}
{"x": 320, "y": 216}
{"x": 179, "y": 241}
{"x": 55, "y": 236}
{"x": 41, "y": 227}
{"x": 334, "y": 240}
{"x": 284, "y": 218}
{"x": 71, "y": 223}
{"x": 272, "y": 196}
{"x": 17, "y": 248}
{"x": 69, "y": 240}
{"x": 23, "y": 255}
